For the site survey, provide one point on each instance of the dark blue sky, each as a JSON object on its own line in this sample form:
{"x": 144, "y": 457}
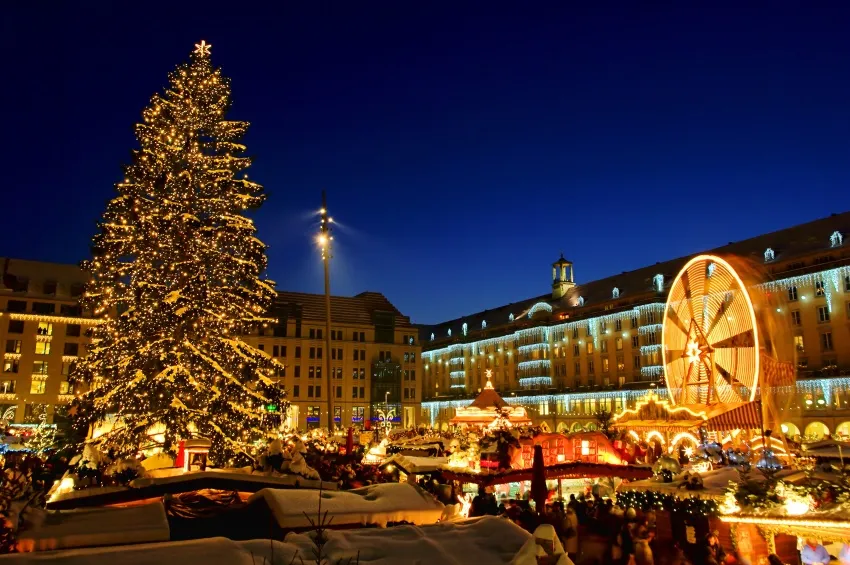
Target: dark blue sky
{"x": 463, "y": 145}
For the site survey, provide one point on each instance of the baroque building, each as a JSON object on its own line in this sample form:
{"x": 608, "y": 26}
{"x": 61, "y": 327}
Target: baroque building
{"x": 584, "y": 348}
{"x": 375, "y": 359}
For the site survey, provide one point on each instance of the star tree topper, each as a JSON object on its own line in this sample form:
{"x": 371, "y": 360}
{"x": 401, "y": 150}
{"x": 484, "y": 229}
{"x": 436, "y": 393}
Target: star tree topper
{"x": 202, "y": 48}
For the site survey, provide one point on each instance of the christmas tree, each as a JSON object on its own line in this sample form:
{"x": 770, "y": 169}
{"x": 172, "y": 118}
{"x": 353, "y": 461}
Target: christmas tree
{"x": 176, "y": 277}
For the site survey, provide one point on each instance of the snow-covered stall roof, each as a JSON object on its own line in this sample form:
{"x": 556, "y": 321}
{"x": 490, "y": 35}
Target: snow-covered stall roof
{"x": 98, "y": 527}
{"x": 480, "y": 540}
{"x": 155, "y": 487}
{"x": 416, "y": 465}
{"x": 375, "y": 504}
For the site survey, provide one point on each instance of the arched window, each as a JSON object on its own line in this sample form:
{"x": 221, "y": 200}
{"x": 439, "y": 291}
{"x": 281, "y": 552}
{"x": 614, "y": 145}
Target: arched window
{"x": 769, "y": 255}
{"x": 615, "y": 293}
{"x": 836, "y": 239}
{"x": 580, "y": 301}
{"x": 464, "y": 328}
{"x": 483, "y": 324}
{"x": 510, "y": 317}
{"x": 658, "y": 282}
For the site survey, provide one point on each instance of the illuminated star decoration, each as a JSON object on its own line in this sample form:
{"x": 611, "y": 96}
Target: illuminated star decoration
{"x": 202, "y": 48}
{"x": 693, "y": 352}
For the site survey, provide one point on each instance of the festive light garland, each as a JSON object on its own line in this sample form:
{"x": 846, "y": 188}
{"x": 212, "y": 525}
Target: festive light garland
{"x": 51, "y": 319}
{"x": 653, "y": 500}
{"x": 533, "y": 381}
{"x": 539, "y": 307}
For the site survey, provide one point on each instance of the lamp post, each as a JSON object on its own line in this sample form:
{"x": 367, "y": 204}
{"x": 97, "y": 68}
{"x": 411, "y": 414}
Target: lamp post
{"x": 324, "y": 240}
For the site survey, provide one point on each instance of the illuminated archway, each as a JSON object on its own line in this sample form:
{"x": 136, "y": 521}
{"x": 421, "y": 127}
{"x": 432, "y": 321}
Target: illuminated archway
{"x": 790, "y": 429}
{"x": 843, "y": 429}
{"x": 576, "y": 427}
{"x": 562, "y": 427}
{"x": 590, "y": 427}
{"x": 816, "y": 431}
{"x": 655, "y": 434}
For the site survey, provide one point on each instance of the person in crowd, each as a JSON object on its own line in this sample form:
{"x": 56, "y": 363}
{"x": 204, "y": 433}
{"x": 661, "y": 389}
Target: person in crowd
{"x": 571, "y": 533}
{"x": 813, "y": 553}
{"x": 844, "y": 554}
{"x": 642, "y": 538}
{"x": 712, "y": 551}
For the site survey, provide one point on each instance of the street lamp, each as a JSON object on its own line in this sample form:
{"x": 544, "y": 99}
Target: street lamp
{"x": 324, "y": 240}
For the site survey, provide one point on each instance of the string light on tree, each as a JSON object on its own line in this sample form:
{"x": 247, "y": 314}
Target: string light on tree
{"x": 176, "y": 277}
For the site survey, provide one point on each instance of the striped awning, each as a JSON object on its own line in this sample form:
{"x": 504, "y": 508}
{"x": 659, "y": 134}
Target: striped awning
{"x": 743, "y": 416}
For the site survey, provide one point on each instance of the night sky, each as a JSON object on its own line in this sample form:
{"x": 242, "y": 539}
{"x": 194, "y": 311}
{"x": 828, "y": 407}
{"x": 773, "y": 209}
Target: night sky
{"x": 462, "y": 145}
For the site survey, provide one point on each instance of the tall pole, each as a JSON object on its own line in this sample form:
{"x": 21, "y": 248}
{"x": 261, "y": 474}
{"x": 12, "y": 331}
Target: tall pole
{"x": 325, "y": 238}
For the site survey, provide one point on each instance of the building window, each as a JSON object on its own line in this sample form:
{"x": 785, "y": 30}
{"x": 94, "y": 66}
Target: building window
{"x": 621, "y": 364}
{"x": 635, "y": 341}
{"x": 826, "y": 341}
{"x": 362, "y": 392}
{"x": 71, "y": 349}
{"x": 354, "y": 392}
{"x": 313, "y": 416}
{"x": 64, "y": 387}
{"x": 576, "y": 351}
{"x": 769, "y": 255}
{"x": 38, "y": 387}
{"x": 297, "y": 371}
{"x": 312, "y": 351}
{"x": 798, "y": 343}
{"x": 339, "y": 373}
{"x": 298, "y": 352}
{"x": 795, "y": 317}
{"x": 72, "y": 330}
{"x": 296, "y": 391}
{"x": 356, "y": 355}
{"x": 45, "y": 308}
{"x": 618, "y": 325}
{"x": 318, "y": 372}
{"x": 10, "y": 366}
{"x": 575, "y": 332}
{"x": 16, "y": 326}
{"x": 590, "y": 369}
{"x": 7, "y": 387}
{"x": 604, "y": 364}
{"x": 577, "y": 368}
{"x": 310, "y": 391}
{"x": 636, "y": 361}
{"x": 413, "y": 373}
{"x": 39, "y": 368}
{"x": 311, "y": 372}
{"x": 823, "y": 314}
{"x": 13, "y": 346}
{"x": 44, "y": 328}
{"x": 357, "y": 413}
{"x": 651, "y": 339}
{"x": 846, "y": 283}
{"x": 261, "y": 346}
{"x": 792, "y": 293}
{"x": 819, "y": 290}
{"x": 362, "y": 374}
{"x": 42, "y": 348}
{"x": 16, "y": 306}
{"x": 618, "y": 343}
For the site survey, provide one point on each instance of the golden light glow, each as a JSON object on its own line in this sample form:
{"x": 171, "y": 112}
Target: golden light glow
{"x": 710, "y": 335}
{"x": 202, "y": 48}
{"x": 54, "y": 319}
{"x": 666, "y": 404}
{"x": 684, "y": 435}
{"x": 766, "y": 521}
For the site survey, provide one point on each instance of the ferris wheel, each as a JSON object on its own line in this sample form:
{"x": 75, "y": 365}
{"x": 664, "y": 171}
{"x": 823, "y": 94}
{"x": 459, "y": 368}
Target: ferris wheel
{"x": 710, "y": 336}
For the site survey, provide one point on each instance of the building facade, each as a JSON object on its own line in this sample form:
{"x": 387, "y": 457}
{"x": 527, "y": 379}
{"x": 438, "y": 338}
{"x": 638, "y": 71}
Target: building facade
{"x": 375, "y": 356}
{"x": 596, "y": 346}
{"x": 42, "y": 331}
{"x": 375, "y": 359}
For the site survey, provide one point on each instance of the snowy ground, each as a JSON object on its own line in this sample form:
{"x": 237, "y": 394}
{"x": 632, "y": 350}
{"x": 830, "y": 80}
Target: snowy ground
{"x": 489, "y": 540}
{"x": 375, "y": 504}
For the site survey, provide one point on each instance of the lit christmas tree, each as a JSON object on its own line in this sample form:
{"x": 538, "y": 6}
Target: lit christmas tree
{"x": 176, "y": 276}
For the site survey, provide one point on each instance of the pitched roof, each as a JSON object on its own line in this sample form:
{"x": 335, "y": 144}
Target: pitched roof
{"x": 789, "y": 245}
{"x": 488, "y": 398}
{"x": 357, "y": 309}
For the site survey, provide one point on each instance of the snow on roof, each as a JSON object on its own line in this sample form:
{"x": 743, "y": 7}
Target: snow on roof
{"x": 374, "y": 504}
{"x": 488, "y": 540}
{"x": 414, "y": 465}
{"x": 98, "y": 527}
